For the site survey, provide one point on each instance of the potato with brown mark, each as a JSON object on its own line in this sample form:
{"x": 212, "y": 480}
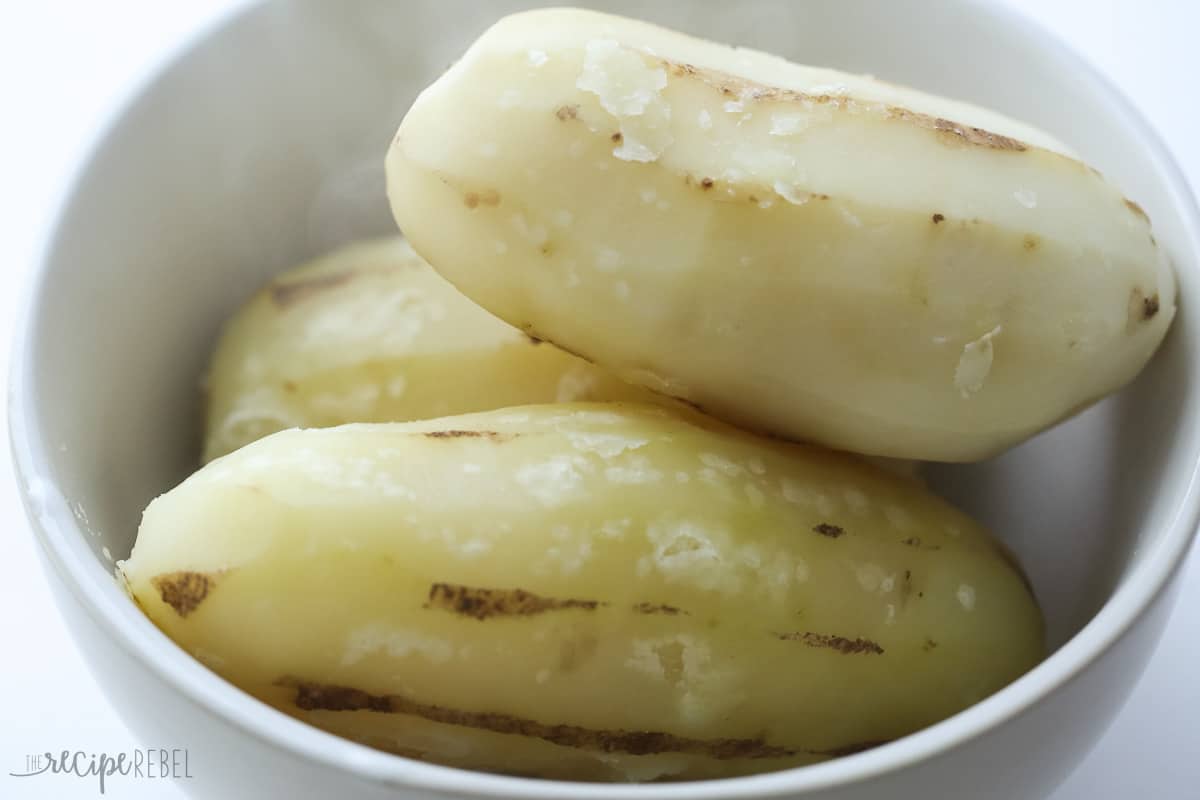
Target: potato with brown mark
{"x": 369, "y": 333}
{"x": 583, "y": 591}
{"x": 803, "y": 252}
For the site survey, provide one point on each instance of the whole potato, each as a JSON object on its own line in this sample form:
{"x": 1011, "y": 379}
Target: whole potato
{"x": 583, "y": 591}
{"x": 812, "y": 254}
{"x": 369, "y": 333}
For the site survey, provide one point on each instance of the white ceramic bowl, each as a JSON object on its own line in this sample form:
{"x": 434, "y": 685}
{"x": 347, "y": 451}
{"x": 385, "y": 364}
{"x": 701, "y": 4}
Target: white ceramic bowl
{"x": 262, "y": 144}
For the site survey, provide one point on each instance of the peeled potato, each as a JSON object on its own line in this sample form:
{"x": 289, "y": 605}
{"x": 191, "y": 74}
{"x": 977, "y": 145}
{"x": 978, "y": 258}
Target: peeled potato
{"x": 583, "y": 591}
{"x": 817, "y": 255}
{"x": 369, "y": 333}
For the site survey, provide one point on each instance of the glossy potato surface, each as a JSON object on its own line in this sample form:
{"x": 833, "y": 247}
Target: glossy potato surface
{"x": 369, "y": 333}
{"x": 808, "y": 253}
{"x": 583, "y": 591}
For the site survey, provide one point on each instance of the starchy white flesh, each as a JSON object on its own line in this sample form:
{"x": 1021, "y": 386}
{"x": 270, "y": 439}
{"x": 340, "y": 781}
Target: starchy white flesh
{"x": 818, "y": 255}
{"x": 369, "y": 333}
{"x": 583, "y": 591}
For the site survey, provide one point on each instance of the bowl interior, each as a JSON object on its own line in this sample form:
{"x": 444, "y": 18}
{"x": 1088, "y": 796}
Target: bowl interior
{"x": 263, "y": 145}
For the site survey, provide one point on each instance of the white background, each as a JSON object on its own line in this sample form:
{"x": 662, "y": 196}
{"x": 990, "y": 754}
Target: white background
{"x": 63, "y": 66}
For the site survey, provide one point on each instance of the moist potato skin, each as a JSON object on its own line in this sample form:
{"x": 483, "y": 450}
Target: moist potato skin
{"x": 589, "y": 591}
{"x": 804, "y": 253}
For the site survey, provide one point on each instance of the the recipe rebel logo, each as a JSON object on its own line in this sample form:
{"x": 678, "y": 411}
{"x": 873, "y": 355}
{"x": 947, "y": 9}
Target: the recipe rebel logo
{"x": 145, "y": 764}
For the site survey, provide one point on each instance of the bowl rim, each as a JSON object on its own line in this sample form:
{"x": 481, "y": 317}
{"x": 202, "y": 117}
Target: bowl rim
{"x": 65, "y": 550}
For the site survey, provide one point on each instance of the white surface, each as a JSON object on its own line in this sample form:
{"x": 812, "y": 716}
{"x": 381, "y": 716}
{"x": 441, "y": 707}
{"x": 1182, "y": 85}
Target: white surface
{"x": 62, "y": 66}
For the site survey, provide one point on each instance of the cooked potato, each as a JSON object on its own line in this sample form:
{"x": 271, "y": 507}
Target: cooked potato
{"x": 813, "y": 254}
{"x": 584, "y": 591}
{"x": 370, "y": 333}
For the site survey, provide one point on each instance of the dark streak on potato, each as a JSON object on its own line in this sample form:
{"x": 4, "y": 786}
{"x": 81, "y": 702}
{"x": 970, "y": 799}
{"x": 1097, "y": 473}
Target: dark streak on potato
{"x": 1135, "y": 208}
{"x": 285, "y": 295}
{"x": 184, "y": 590}
{"x": 961, "y": 133}
{"x": 839, "y": 643}
{"x": 745, "y": 89}
{"x": 329, "y": 697}
{"x": 825, "y": 529}
{"x": 565, "y": 113}
{"x": 481, "y": 603}
{"x": 533, "y": 339}
{"x": 658, "y": 608}
{"x": 495, "y": 436}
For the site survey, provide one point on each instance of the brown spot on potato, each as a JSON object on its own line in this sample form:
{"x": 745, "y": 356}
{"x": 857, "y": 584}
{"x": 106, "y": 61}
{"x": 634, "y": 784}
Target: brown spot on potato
{"x": 753, "y": 199}
{"x": 929, "y": 645}
{"x": 547, "y": 249}
{"x": 483, "y": 603}
{"x": 826, "y": 529}
{"x": 289, "y": 386}
{"x": 617, "y": 137}
{"x": 285, "y": 295}
{"x": 915, "y": 541}
{"x": 330, "y": 697}
{"x": 938, "y": 218}
{"x": 567, "y": 112}
{"x": 839, "y": 643}
{"x": 706, "y": 183}
{"x": 1030, "y": 242}
{"x": 488, "y": 197}
{"x": 658, "y": 608}
{"x": 1150, "y": 306}
{"x": 1141, "y": 308}
{"x": 185, "y": 590}
{"x": 1136, "y": 209}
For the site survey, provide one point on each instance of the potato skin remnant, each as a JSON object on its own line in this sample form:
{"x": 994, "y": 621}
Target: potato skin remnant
{"x": 756, "y": 254}
{"x": 536, "y": 589}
